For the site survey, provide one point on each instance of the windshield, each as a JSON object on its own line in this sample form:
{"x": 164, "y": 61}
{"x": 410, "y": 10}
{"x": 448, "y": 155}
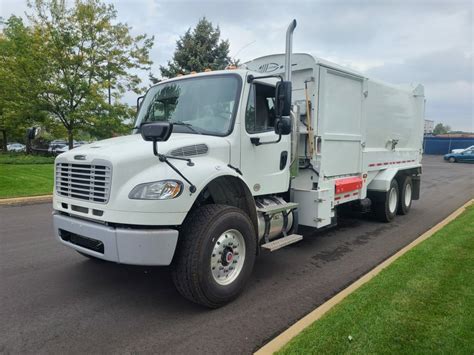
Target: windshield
{"x": 199, "y": 105}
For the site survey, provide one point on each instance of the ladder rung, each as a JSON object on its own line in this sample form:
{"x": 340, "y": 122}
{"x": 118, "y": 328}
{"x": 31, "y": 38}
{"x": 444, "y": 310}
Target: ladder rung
{"x": 282, "y": 242}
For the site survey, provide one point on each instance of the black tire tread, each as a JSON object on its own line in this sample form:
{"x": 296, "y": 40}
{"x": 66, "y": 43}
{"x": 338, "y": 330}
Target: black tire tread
{"x": 380, "y": 205}
{"x": 402, "y": 210}
{"x": 186, "y": 260}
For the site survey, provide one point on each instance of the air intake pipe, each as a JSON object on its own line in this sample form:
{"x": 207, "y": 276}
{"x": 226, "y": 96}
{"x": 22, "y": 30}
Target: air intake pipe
{"x": 289, "y": 48}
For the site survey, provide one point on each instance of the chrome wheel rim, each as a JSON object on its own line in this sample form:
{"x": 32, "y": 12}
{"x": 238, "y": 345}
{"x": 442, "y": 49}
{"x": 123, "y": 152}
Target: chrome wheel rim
{"x": 228, "y": 257}
{"x": 407, "y": 195}
{"x": 392, "y": 200}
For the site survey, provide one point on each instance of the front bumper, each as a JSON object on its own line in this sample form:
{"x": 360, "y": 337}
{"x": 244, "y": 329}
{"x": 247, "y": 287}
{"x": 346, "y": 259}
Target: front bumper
{"x": 121, "y": 245}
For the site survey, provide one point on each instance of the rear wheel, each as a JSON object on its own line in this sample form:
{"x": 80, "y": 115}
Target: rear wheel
{"x": 452, "y": 159}
{"x": 406, "y": 193}
{"x": 386, "y": 204}
{"x": 215, "y": 256}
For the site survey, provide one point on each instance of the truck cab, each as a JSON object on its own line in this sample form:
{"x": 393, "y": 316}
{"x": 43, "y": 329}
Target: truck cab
{"x": 224, "y": 165}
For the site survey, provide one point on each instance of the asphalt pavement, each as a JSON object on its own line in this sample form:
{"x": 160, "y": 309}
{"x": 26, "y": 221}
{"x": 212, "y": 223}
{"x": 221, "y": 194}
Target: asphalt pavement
{"x": 53, "y": 300}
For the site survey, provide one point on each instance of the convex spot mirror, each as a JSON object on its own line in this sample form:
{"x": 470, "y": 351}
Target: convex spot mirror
{"x": 283, "y": 126}
{"x": 283, "y": 98}
{"x": 156, "y": 131}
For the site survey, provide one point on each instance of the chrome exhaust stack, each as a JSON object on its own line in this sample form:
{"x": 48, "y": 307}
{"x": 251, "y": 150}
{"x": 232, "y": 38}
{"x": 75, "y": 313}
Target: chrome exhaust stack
{"x": 288, "y": 50}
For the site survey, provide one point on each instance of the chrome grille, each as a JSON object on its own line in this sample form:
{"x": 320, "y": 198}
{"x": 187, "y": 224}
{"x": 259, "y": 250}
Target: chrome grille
{"x": 84, "y": 182}
{"x": 190, "y": 150}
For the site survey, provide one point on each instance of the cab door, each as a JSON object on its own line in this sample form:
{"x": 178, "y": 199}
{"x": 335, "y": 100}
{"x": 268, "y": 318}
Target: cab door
{"x": 265, "y": 167}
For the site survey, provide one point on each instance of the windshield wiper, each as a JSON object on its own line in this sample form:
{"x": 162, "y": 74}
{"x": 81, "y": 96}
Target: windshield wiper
{"x": 187, "y": 125}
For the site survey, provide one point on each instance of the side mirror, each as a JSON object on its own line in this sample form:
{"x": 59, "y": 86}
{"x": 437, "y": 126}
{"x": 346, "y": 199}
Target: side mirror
{"x": 283, "y": 126}
{"x": 158, "y": 131}
{"x": 283, "y": 98}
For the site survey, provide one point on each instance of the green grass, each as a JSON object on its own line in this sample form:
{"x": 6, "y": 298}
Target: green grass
{"x": 26, "y": 180}
{"x": 22, "y": 158}
{"x": 422, "y": 304}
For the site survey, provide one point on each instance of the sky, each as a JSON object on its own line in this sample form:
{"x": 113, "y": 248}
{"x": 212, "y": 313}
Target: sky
{"x": 398, "y": 41}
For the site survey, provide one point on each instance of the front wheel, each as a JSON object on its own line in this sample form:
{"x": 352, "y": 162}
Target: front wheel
{"x": 452, "y": 159}
{"x": 215, "y": 255}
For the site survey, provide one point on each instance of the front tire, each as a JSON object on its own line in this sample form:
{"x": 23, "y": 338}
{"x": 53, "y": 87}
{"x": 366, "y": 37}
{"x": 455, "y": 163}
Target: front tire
{"x": 452, "y": 159}
{"x": 215, "y": 256}
{"x": 406, "y": 193}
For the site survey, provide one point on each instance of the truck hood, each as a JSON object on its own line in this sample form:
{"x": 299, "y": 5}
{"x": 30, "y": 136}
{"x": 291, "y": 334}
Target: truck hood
{"x": 133, "y": 149}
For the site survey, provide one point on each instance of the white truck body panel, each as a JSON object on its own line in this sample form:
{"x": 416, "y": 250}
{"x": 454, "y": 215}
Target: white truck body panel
{"x": 362, "y": 127}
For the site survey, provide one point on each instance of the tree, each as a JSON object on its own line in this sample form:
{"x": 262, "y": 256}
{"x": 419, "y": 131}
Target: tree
{"x": 89, "y": 59}
{"x": 21, "y": 72}
{"x": 441, "y": 129}
{"x": 197, "y": 50}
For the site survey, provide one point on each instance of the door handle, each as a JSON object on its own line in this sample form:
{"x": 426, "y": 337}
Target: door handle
{"x": 256, "y": 141}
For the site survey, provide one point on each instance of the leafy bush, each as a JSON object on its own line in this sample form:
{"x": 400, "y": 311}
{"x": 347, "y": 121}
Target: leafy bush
{"x": 22, "y": 158}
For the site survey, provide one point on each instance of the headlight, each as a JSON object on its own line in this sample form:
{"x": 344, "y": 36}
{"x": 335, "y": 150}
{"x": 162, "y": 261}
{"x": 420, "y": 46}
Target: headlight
{"x": 157, "y": 190}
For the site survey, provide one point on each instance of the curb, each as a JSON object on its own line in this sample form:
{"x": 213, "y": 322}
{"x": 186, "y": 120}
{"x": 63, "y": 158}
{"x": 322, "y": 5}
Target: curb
{"x": 30, "y": 200}
{"x": 282, "y": 339}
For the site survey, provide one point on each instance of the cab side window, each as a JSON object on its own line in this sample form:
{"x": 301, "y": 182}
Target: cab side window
{"x": 260, "y": 112}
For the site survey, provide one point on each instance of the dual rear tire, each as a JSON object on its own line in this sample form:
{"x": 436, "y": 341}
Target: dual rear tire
{"x": 397, "y": 200}
{"x": 406, "y": 195}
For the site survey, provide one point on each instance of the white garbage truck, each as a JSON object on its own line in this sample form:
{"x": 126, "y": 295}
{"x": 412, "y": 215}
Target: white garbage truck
{"x": 224, "y": 165}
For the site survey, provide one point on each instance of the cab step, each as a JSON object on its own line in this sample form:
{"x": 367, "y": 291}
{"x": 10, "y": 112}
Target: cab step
{"x": 277, "y": 208}
{"x": 282, "y": 242}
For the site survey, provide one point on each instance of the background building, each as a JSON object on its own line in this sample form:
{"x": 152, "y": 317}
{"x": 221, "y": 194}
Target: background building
{"x": 429, "y": 126}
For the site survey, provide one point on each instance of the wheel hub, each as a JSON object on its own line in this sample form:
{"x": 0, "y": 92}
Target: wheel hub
{"x": 392, "y": 200}
{"x": 228, "y": 256}
{"x": 407, "y": 195}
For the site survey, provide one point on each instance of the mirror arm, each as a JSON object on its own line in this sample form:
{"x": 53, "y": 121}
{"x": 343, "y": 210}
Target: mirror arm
{"x": 251, "y": 78}
{"x": 155, "y": 151}
{"x": 164, "y": 158}
{"x": 138, "y": 102}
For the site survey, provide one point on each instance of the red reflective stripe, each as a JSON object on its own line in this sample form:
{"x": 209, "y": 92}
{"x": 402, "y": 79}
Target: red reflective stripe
{"x": 355, "y": 193}
{"x": 337, "y": 198}
{"x": 371, "y": 164}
